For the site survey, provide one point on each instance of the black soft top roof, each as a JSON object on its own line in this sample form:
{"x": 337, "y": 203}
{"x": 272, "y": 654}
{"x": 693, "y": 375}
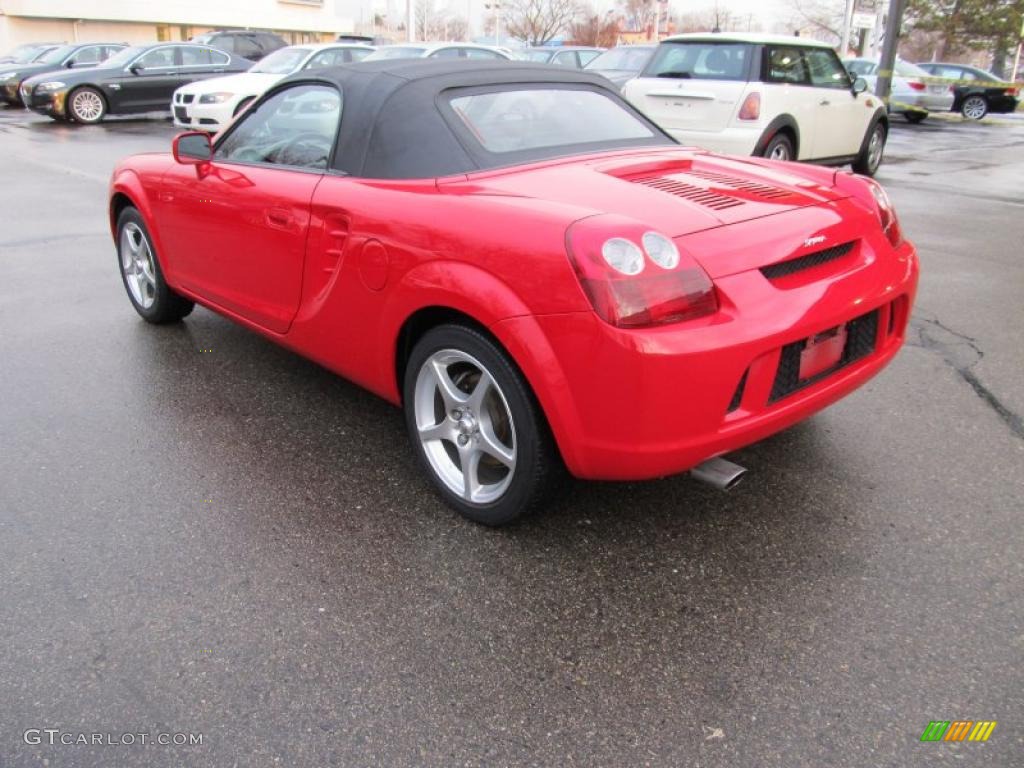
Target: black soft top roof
{"x": 392, "y": 125}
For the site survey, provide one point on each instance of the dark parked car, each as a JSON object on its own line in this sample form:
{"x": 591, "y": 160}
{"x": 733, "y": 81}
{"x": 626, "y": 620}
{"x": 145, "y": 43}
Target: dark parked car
{"x": 138, "y": 79}
{"x": 561, "y": 55}
{"x": 27, "y": 52}
{"x": 621, "y": 63}
{"x": 978, "y": 92}
{"x": 242, "y": 42}
{"x": 76, "y": 56}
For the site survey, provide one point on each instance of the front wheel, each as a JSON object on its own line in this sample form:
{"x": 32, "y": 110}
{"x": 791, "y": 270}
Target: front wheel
{"x": 86, "y": 105}
{"x": 475, "y": 426}
{"x": 779, "y": 148}
{"x": 870, "y": 156}
{"x": 143, "y": 279}
{"x": 974, "y": 108}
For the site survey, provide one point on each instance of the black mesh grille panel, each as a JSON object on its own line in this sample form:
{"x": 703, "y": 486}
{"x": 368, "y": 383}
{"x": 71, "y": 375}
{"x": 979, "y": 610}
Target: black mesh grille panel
{"x": 816, "y": 259}
{"x": 861, "y": 334}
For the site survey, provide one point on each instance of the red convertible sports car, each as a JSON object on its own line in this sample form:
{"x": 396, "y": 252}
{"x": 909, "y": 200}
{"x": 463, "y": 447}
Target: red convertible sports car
{"x": 528, "y": 266}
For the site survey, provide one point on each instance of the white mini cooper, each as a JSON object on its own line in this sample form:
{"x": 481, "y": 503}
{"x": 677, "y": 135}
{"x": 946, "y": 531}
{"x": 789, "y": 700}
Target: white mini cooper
{"x": 787, "y": 98}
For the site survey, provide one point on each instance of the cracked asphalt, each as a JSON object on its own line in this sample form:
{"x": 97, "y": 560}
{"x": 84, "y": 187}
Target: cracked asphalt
{"x": 202, "y": 533}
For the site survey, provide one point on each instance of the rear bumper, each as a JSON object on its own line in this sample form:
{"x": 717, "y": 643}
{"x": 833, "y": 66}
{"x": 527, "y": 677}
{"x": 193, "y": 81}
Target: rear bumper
{"x": 731, "y": 141}
{"x": 644, "y": 404}
{"x": 922, "y": 101}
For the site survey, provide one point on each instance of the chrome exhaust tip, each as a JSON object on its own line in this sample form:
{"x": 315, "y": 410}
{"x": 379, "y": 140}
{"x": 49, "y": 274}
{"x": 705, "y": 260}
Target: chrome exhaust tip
{"x": 719, "y": 473}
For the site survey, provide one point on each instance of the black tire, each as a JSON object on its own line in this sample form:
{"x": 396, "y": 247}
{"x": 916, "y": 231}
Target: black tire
{"x": 76, "y": 105}
{"x": 242, "y": 105}
{"x": 536, "y": 459}
{"x": 915, "y": 117}
{"x": 975, "y": 107}
{"x": 160, "y": 303}
{"x": 781, "y": 146}
{"x": 868, "y": 160}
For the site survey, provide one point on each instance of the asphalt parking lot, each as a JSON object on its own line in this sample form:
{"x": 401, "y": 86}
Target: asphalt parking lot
{"x": 202, "y": 533}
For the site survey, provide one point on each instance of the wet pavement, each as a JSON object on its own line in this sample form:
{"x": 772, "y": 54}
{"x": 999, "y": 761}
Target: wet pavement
{"x": 201, "y": 533}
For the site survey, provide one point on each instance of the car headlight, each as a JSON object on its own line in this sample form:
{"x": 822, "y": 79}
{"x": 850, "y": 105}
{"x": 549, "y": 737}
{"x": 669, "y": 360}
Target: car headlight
{"x": 215, "y": 98}
{"x": 51, "y": 85}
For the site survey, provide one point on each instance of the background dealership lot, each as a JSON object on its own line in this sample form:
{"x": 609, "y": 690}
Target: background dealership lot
{"x": 201, "y": 532}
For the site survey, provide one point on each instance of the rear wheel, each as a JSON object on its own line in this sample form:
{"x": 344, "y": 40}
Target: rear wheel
{"x": 143, "y": 279}
{"x": 974, "y": 108}
{"x": 871, "y": 152}
{"x": 475, "y": 426}
{"x": 86, "y": 105}
{"x": 779, "y": 148}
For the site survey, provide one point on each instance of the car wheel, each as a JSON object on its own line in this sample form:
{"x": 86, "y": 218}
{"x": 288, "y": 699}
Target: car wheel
{"x": 475, "y": 426}
{"x": 143, "y": 279}
{"x": 974, "y": 108}
{"x": 779, "y": 148}
{"x": 87, "y": 105}
{"x": 870, "y": 156}
{"x": 915, "y": 117}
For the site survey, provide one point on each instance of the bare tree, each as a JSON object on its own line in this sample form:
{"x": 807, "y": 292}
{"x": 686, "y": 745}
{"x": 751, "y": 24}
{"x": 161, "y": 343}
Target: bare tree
{"x": 640, "y": 14}
{"x": 823, "y": 16}
{"x": 538, "y": 21}
{"x": 594, "y": 29}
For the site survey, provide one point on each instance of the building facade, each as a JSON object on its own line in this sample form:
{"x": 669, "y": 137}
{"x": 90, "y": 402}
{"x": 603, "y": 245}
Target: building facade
{"x": 143, "y": 21}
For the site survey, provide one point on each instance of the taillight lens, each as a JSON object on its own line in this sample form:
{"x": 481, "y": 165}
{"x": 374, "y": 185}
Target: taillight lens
{"x": 886, "y": 214}
{"x": 917, "y": 85}
{"x": 1012, "y": 91}
{"x": 751, "y": 109}
{"x": 665, "y": 286}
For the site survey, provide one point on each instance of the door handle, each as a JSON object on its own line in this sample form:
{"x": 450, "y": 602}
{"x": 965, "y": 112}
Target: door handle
{"x": 824, "y": 103}
{"x": 277, "y": 217}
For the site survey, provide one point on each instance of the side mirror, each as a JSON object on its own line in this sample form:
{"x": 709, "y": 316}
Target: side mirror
{"x": 135, "y": 69}
{"x": 860, "y": 85}
{"x": 192, "y": 148}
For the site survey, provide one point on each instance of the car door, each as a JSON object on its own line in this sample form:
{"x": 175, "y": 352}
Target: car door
{"x": 841, "y": 120}
{"x": 147, "y": 82}
{"x": 235, "y": 228}
{"x": 89, "y": 56}
{"x": 788, "y": 91}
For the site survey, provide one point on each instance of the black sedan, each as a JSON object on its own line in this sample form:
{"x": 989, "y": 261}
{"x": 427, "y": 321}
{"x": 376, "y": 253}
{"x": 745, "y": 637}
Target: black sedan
{"x": 77, "y": 56}
{"x": 976, "y": 92}
{"x": 138, "y": 79}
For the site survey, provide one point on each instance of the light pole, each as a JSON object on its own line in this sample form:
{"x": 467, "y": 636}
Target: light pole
{"x": 496, "y": 7}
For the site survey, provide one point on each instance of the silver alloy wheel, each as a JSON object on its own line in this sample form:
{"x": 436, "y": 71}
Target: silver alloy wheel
{"x": 87, "y": 106}
{"x": 975, "y": 108}
{"x": 876, "y": 145}
{"x": 779, "y": 152}
{"x": 137, "y": 265}
{"x": 465, "y": 426}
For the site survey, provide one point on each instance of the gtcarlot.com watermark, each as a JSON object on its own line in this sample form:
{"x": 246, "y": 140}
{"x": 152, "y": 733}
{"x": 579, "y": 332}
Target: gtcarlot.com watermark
{"x": 56, "y": 737}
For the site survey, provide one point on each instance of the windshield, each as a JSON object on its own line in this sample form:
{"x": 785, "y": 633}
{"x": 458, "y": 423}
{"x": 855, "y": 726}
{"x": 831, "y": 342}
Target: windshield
{"x": 282, "y": 62}
{"x": 121, "y": 58}
{"x": 627, "y": 59}
{"x": 55, "y": 56}
{"x": 34, "y": 54}
{"x": 202, "y": 39}
{"x": 700, "y": 61}
{"x": 396, "y": 52}
{"x": 541, "y": 56}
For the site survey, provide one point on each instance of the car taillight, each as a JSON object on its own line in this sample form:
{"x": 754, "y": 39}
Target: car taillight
{"x": 634, "y": 277}
{"x": 751, "y": 109}
{"x": 917, "y": 85}
{"x": 1012, "y": 91}
{"x": 886, "y": 214}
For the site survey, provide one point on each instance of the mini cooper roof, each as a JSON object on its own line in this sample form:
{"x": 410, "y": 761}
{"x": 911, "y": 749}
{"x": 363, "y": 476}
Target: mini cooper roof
{"x": 393, "y": 123}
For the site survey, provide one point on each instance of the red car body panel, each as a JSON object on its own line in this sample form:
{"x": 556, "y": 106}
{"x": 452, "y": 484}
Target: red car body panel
{"x": 334, "y": 267}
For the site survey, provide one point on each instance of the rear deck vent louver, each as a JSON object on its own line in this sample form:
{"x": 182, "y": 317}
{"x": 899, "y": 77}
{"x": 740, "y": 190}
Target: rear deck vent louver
{"x": 699, "y": 195}
{"x": 764, "y": 191}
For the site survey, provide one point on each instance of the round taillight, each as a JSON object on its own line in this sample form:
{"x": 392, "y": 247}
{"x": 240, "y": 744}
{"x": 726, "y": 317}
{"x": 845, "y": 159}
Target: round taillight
{"x": 662, "y": 251}
{"x": 623, "y": 256}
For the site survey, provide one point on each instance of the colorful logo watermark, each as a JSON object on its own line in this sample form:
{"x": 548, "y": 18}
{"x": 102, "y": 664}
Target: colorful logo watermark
{"x": 958, "y": 730}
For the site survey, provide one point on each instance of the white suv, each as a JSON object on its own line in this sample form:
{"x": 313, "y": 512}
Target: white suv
{"x": 787, "y": 98}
